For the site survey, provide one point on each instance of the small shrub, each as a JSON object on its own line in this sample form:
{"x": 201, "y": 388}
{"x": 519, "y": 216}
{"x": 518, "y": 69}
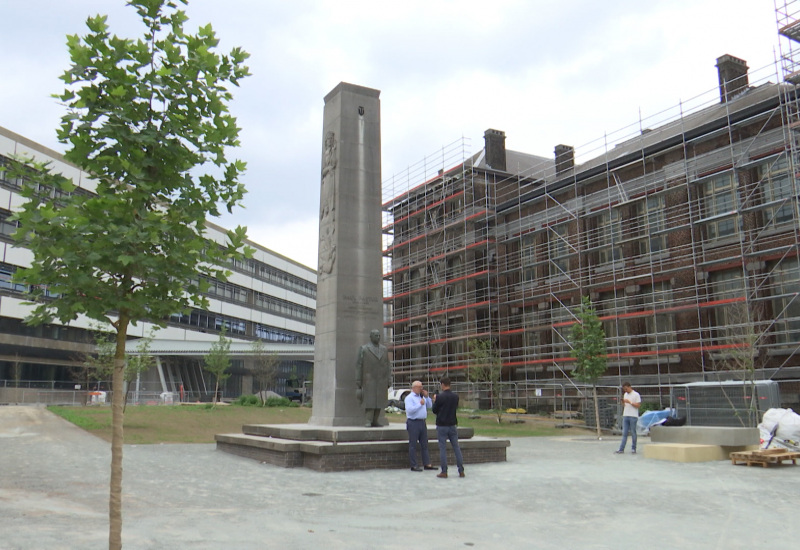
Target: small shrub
{"x": 280, "y": 402}
{"x": 247, "y": 400}
{"x": 648, "y": 407}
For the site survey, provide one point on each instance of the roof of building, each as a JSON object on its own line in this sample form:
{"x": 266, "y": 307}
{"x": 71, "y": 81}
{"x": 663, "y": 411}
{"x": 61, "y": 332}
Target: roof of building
{"x": 687, "y": 124}
{"x": 751, "y": 102}
{"x": 518, "y": 163}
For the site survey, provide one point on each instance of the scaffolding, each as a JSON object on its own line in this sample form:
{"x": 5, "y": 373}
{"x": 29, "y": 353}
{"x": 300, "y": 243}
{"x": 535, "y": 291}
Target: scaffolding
{"x": 682, "y": 228}
{"x": 439, "y": 256}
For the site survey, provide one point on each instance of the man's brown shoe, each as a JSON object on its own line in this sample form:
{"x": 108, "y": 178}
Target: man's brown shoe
{"x": 461, "y": 474}
{"x": 443, "y": 475}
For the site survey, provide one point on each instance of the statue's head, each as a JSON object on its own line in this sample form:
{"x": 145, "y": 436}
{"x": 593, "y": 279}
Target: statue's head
{"x": 375, "y": 336}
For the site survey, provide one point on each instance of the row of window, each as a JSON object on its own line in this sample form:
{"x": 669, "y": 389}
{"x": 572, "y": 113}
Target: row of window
{"x": 716, "y": 206}
{"x": 6, "y": 272}
{"x": 256, "y": 268}
{"x": 730, "y": 315}
{"x": 233, "y": 293}
{"x": 214, "y": 321}
{"x": 15, "y": 183}
{"x": 199, "y": 319}
{"x": 275, "y": 276}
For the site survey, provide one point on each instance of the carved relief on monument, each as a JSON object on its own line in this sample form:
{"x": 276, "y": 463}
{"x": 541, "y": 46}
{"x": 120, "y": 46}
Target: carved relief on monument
{"x": 327, "y": 207}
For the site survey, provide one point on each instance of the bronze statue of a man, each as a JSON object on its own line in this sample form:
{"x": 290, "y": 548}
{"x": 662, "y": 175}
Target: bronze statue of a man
{"x": 372, "y": 379}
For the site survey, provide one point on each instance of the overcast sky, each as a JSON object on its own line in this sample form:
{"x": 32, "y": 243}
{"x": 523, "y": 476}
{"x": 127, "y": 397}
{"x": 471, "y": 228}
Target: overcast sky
{"x": 545, "y": 72}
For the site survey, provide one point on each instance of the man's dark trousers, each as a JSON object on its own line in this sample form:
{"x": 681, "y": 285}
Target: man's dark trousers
{"x": 417, "y": 431}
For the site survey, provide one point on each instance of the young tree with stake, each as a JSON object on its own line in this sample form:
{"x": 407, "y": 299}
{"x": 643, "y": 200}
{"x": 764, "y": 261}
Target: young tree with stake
{"x": 148, "y": 121}
{"x": 218, "y": 362}
{"x": 588, "y": 340}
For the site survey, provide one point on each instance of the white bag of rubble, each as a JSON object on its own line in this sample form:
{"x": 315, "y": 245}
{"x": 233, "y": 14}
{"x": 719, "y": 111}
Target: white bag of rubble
{"x": 784, "y": 424}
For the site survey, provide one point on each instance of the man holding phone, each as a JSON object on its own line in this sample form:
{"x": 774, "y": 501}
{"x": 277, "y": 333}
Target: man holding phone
{"x": 630, "y": 416}
{"x": 417, "y": 405}
{"x": 445, "y": 405}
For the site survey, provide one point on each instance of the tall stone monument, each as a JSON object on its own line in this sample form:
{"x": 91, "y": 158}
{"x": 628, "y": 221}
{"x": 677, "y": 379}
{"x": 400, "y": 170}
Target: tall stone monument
{"x": 349, "y": 308}
{"x": 349, "y": 278}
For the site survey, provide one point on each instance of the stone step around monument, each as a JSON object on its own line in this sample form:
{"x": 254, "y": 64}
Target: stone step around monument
{"x": 339, "y": 434}
{"x": 328, "y": 456}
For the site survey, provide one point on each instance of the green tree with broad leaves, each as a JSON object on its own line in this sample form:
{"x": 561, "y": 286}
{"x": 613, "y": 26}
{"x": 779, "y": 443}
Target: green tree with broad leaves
{"x": 588, "y": 341}
{"x": 147, "y": 120}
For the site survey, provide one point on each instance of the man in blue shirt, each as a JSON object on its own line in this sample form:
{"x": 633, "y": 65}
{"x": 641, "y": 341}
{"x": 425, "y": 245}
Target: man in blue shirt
{"x": 417, "y": 405}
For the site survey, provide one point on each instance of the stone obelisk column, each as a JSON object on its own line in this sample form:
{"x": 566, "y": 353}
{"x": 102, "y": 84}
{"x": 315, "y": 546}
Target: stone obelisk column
{"x": 349, "y": 282}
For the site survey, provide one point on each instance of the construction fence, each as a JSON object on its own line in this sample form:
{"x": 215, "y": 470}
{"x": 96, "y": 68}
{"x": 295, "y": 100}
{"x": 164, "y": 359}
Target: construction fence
{"x": 28, "y": 392}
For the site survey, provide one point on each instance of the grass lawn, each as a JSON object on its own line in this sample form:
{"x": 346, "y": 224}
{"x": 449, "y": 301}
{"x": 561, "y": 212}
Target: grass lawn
{"x": 179, "y": 423}
{"x": 199, "y": 424}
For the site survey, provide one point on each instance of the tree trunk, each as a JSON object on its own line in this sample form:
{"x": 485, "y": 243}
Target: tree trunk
{"x": 597, "y": 412}
{"x": 498, "y": 401}
{"x": 117, "y": 438}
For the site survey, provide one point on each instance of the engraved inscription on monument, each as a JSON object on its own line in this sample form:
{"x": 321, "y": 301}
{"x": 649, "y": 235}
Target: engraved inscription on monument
{"x": 358, "y": 305}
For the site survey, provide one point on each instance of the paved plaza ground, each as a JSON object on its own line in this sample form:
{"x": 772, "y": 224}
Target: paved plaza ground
{"x": 554, "y": 492}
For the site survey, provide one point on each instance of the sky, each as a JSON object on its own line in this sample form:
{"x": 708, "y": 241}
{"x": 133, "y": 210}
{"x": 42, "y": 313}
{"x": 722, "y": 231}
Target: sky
{"x": 544, "y": 72}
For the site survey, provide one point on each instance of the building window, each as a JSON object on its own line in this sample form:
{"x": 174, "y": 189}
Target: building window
{"x": 777, "y": 191}
{"x": 719, "y": 204}
{"x": 532, "y": 342}
{"x": 562, "y": 319}
{"x": 7, "y": 227}
{"x": 606, "y": 237}
{"x": 5, "y": 179}
{"x": 730, "y": 315}
{"x": 660, "y": 325}
{"x": 652, "y": 222}
{"x": 785, "y": 282}
{"x": 558, "y": 250}
{"x": 615, "y": 329}
{"x": 528, "y": 257}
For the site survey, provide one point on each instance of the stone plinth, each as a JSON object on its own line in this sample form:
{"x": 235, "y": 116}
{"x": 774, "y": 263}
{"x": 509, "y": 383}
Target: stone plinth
{"x": 689, "y": 452}
{"x": 705, "y": 435}
{"x": 334, "y": 449}
{"x": 699, "y": 443}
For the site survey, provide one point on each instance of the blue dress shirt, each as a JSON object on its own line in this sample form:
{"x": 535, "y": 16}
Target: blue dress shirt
{"x": 414, "y": 409}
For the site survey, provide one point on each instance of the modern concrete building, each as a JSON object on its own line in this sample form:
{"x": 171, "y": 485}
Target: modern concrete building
{"x": 683, "y": 230}
{"x": 269, "y": 298}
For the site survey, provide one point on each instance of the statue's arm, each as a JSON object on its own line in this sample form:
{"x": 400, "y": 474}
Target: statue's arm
{"x": 360, "y": 367}
{"x": 387, "y": 368}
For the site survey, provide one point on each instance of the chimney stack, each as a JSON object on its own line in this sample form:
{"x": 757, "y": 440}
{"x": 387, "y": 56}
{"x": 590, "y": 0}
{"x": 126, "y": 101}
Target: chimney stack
{"x": 732, "y": 77}
{"x": 565, "y": 158}
{"x": 495, "y": 146}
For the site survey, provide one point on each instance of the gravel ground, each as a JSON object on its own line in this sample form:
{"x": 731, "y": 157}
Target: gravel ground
{"x": 559, "y": 492}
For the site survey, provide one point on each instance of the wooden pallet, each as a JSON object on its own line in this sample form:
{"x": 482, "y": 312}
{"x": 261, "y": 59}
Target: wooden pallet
{"x": 764, "y": 457}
